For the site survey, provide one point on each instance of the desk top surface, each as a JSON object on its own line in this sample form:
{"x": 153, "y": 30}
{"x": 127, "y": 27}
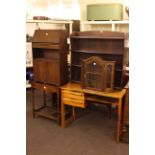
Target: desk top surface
{"x": 77, "y": 87}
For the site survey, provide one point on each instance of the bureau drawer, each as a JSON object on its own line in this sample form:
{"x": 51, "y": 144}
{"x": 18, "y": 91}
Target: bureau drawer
{"x": 73, "y": 98}
{"x": 44, "y": 87}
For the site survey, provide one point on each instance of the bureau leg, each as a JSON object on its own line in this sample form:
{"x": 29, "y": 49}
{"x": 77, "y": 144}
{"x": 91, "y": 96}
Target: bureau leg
{"x": 119, "y": 120}
{"x": 62, "y": 115}
{"x": 44, "y": 97}
{"x": 33, "y": 103}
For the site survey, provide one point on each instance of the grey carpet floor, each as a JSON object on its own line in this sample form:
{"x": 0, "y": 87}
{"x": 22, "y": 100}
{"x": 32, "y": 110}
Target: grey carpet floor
{"x": 92, "y": 134}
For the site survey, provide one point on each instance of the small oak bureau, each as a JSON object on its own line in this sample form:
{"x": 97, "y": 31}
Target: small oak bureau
{"x": 49, "y": 49}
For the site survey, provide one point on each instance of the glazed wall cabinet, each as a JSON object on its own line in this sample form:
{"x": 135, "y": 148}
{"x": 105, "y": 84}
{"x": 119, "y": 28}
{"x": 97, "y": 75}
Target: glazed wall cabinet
{"x": 98, "y": 74}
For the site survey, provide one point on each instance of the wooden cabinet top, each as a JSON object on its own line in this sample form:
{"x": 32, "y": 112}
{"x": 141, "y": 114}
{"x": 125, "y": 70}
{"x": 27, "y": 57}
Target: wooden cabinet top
{"x": 48, "y": 36}
{"x": 98, "y": 35}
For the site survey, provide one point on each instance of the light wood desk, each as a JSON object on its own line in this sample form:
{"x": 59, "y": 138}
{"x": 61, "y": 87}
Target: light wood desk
{"x": 72, "y": 94}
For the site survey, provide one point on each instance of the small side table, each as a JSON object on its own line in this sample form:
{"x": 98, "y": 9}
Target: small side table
{"x": 72, "y": 94}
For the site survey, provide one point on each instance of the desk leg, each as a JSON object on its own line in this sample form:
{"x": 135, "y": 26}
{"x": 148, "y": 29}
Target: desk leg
{"x": 62, "y": 115}
{"x": 59, "y": 106}
{"x": 73, "y": 112}
{"x": 119, "y": 120}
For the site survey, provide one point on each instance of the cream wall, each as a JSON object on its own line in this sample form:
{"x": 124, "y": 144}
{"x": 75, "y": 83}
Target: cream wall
{"x": 63, "y": 9}
{"x": 67, "y": 9}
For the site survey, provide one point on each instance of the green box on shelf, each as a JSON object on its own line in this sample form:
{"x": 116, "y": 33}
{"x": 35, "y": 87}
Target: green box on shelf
{"x": 105, "y": 11}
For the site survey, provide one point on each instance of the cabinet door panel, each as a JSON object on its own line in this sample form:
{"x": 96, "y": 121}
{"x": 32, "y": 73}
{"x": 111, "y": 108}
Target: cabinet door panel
{"x": 52, "y": 72}
{"x": 39, "y": 70}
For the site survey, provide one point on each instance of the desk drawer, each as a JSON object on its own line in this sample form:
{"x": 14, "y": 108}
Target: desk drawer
{"x": 73, "y": 98}
{"x": 72, "y": 94}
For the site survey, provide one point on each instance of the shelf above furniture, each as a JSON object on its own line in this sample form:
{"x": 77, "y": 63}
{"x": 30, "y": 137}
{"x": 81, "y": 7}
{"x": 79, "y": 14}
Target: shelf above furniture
{"x": 112, "y": 23}
{"x": 49, "y": 21}
{"x": 52, "y": 22}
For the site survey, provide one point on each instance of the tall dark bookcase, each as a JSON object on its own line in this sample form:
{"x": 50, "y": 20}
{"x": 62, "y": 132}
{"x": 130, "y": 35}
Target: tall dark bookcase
{"x": 107, "y": 45}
